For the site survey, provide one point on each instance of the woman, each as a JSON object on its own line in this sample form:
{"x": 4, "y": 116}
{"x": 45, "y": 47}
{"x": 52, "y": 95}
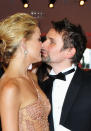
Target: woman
{"x": 23, "y": 106}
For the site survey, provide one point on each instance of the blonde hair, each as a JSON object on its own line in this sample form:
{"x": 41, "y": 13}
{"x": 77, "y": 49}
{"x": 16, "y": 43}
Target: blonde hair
{"x": 12, "y": 30}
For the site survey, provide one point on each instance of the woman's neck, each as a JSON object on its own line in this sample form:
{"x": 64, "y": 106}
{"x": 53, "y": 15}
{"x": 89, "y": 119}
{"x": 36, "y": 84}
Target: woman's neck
{"x": 16, "y": 69}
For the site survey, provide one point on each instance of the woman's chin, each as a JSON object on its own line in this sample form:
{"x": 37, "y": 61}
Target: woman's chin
{"x": 37, "y": 60}
{"x": 40, "y": 59}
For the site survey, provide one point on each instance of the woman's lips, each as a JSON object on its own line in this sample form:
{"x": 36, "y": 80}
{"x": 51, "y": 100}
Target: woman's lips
{"x": 43, "y": 52}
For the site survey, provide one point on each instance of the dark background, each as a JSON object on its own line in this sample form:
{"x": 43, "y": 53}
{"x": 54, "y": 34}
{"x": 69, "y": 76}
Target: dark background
{"x": 62, "y": 8}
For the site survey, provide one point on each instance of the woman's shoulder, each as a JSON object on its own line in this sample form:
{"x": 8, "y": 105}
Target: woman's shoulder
{"x": 9, "y": 87}
{"x": 9, "y": 95}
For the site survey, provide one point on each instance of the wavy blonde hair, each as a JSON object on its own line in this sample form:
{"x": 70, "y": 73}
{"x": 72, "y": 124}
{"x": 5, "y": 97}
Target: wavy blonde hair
{"x": 12, "y": 30}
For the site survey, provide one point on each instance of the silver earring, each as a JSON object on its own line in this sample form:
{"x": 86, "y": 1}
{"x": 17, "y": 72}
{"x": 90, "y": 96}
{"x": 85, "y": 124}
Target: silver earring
{"x": 25, "y": 52}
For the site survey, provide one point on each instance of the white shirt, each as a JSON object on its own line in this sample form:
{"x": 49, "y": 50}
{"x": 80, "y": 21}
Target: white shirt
{"x": 30, "y": 67}
{"x": 59, "y": 91}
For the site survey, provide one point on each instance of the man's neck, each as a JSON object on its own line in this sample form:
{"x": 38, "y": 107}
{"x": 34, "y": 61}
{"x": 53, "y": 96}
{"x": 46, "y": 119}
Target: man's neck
{"x": 60, "y": 67}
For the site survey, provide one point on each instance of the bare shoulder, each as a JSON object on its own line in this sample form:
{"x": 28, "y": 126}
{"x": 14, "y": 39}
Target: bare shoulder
{"x": 10, "y": 85}
{"x": 9, "y": 91}
{"x": 9, "y": 103}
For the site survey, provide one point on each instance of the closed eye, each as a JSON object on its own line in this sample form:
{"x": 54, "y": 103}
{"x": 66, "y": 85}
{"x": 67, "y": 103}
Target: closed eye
{"x": 52, "y": 41}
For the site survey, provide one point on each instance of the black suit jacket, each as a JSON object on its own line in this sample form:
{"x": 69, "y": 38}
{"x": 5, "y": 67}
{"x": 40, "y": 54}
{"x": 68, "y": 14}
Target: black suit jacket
{"x": 76, "y": 111}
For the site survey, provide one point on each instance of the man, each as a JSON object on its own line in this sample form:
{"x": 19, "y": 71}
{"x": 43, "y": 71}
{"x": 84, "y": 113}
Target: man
{"x": 70, "y": 96}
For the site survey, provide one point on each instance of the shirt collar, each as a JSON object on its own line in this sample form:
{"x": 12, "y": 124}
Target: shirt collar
{"x": 73, "y": 66}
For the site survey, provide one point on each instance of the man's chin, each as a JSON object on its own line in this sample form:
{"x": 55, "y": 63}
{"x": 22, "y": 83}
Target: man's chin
{"x": 43, "y": 59}
{"x": 46, "y": 60}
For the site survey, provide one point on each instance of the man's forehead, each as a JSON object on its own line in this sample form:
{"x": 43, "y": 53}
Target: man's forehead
{"x": 52, "y": 30}
{"x": 53, "y": 33}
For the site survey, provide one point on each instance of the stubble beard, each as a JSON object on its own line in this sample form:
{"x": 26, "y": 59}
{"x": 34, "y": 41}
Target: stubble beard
{"x": 46, "y": 59}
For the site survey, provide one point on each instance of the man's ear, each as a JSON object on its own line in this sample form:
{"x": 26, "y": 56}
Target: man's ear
{"x": 71, "y": 52}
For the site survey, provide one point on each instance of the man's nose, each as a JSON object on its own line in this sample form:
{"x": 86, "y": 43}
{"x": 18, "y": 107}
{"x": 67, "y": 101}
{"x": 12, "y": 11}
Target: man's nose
{"x": 43, "y": 44}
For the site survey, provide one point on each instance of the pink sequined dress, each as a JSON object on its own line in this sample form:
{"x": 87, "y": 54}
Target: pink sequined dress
{"x": 35, "y": 117}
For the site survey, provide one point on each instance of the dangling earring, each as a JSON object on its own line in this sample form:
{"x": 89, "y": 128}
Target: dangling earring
{"x": 25, "y": 52}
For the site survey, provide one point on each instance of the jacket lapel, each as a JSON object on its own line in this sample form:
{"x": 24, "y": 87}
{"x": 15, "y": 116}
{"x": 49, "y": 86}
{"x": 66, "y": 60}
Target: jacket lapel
{"x": 71, "y": 95}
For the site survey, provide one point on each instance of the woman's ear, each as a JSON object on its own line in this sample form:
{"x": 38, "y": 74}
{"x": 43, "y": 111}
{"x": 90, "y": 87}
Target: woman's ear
{"x": 71, "y": 52}
{"x": 23, "y": 45}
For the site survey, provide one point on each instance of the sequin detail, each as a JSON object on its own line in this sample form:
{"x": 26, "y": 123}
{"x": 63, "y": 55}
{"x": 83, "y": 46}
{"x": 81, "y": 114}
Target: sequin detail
{"x": 35, "y": 117}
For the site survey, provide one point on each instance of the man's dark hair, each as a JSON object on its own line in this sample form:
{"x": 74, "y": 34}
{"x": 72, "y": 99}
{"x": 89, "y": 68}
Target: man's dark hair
{"x": 73, "y": 36}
